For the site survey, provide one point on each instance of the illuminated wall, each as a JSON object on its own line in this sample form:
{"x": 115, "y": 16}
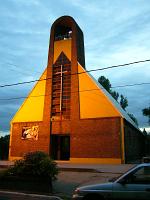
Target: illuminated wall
{"x": 62, "y": 45}
{"x": 93, "y": 101}
{"x": 32, "y": 108}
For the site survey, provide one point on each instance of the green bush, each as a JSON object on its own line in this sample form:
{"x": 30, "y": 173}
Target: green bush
{"x": 35, "y": 164}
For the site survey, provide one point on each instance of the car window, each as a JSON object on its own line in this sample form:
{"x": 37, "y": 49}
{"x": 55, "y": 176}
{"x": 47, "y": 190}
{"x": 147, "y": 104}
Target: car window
{"x": 141, "y": 176}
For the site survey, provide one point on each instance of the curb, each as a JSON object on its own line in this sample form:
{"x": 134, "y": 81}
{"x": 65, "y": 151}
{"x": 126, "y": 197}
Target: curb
{"x": 73, "y": 169}
{"x": 30, "y": 195}
{"x": 5, "y": 166}
{"x": 87, "y": 170}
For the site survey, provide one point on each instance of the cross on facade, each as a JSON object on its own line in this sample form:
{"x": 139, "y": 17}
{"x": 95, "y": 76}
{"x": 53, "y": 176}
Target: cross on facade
{"x": 61, "y": 86}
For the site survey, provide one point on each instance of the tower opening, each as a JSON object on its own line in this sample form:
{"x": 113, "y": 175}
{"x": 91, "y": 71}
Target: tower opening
{"x": 62, "y": 32}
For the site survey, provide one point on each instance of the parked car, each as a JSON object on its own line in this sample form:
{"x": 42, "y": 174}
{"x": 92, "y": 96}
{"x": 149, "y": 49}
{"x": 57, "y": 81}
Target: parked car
{"x": 134, "y": 184}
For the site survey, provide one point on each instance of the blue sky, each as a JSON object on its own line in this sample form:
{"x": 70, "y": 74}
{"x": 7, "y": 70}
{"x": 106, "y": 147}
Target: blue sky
{"x": 115, "y": 32}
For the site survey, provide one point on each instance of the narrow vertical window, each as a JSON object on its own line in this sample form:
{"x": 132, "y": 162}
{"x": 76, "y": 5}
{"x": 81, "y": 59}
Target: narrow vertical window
{"x": 61, "y": 89}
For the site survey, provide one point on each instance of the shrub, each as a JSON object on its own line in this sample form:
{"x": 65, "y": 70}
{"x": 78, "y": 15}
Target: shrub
{"x": 35, "y": 164}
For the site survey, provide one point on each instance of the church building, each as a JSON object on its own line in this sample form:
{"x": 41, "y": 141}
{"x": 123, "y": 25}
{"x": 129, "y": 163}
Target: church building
{"x": 68, "y": 114}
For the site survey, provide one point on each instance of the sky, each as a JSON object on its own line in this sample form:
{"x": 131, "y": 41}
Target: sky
{"x": 115, "y": 32}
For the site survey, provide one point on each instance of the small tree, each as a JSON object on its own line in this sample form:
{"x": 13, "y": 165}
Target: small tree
{"x": 123, "y": 101}
{"x": 146, "y": 112}
{"x": 34, "y": 172}
{"x": 115, "y": 95}
{"x": 133, "y": 118}
{"x": 35, "y": 164}
{"x": 105, "y": 82}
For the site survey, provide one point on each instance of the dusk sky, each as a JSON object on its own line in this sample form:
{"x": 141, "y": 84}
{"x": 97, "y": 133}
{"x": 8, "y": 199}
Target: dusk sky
{"x": 115, "y": 32}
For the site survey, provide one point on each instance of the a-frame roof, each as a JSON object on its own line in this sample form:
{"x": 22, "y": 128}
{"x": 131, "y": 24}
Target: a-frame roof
{"x": 32, "y": 107}
{"x": 112, "y": 104}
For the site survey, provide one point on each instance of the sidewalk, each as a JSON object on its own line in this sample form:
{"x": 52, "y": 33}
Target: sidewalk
{"x": 101, "y": 168}
{"x": 66, "y": 166}
{"x": 78, "y": 167}
{"x": 5, "y": 163}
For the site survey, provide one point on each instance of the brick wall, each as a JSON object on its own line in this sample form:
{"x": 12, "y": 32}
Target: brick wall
{"x": 134, "y": 143}
{"x": 21, "y": 146}
{"x": 96, "y": 138}
{"x": 59, "y": 127}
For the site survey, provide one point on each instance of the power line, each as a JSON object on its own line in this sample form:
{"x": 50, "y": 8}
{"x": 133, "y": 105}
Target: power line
{"x": 20, "y": 83}
{"x": 23, "y": 97}
{"x": 88, "y": 90}
{"x": 99, "y": 69}
{"x": 130, "y": 85}
{"x": 18, "y": 70}
{"x": 121, "y": 65}
{"x": 18, "y": 67}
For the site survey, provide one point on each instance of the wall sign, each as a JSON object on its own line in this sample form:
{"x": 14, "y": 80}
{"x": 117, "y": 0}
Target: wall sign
{"x": 30, "y": 133}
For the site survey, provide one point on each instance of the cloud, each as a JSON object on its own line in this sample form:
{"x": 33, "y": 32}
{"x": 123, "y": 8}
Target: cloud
{"x": 146, "y": 128}
{"x": 115, "y": 32}
{"x": 124, "y": 40}
{"x": 3, "y": 133}
{"x": 88, "y": 8}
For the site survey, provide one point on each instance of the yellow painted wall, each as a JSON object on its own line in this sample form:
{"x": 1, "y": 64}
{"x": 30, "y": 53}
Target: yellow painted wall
{"x": 32, "y": 108}
{"x": 93, "y": 102}
{"x": 96, "y": 160}
{"x": 62, "y": 45}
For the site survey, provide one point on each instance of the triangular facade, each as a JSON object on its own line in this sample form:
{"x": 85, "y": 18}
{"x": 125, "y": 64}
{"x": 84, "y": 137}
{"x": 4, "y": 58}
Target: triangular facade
{"x": 68, "y": 114}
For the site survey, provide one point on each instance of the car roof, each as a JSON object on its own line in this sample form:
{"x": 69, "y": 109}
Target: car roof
{"x": 133, "y": 169}
{"x": 144, "y": 164}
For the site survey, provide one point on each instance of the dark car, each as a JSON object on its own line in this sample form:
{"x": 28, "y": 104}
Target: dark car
{"x": 134, "y": 184}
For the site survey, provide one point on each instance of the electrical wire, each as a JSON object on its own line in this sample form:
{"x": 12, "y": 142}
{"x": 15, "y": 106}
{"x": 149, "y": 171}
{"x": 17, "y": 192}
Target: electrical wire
{"x": 88, "y": 90}
{"x": 93, "y": 70}
{"x": 131, "y": 85}
{"x": 18, "y": 68}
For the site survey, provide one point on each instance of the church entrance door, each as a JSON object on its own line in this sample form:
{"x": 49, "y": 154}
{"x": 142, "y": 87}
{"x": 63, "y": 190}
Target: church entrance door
{"x": 60, "y": 147}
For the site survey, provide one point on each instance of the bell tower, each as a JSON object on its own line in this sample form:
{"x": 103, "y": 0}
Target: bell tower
{"x": 66, "y": 50}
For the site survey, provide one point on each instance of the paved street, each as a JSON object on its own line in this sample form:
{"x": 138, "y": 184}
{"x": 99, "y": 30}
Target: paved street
{"x": 70, "y": 177}
{"x": 73, "y": 175}
{"x": 65, "y": 185}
